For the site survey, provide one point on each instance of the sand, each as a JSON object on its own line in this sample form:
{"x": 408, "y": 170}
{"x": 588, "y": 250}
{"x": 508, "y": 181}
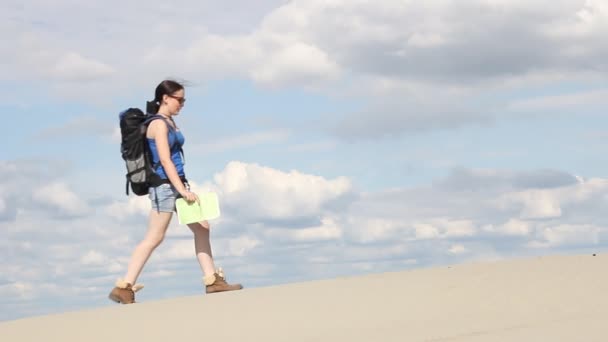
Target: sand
{"x": 552, "y": 298}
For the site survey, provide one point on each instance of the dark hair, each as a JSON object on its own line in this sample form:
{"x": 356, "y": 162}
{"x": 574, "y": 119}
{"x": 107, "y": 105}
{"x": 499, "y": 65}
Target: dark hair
{"x": 166, "y": 87}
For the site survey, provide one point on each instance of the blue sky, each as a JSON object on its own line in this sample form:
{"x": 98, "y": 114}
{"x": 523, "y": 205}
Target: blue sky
{"x": 342, "y": 139}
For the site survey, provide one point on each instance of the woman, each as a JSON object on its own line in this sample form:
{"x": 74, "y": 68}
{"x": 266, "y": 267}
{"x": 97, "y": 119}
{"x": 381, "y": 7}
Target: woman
{"x": 165, "y": 141}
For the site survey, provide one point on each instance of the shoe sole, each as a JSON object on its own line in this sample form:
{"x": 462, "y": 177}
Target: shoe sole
{"x": 224, "y": 290}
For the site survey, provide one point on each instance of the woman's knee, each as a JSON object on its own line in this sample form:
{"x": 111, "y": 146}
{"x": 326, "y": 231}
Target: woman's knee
{"x": 200, "y": 227}
{"x": 157, "y": 226}
{"x": 154, "y": 241}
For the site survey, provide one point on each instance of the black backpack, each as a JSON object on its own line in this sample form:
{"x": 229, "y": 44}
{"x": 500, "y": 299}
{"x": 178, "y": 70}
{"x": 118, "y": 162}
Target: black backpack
{"x": 135, "y": 151}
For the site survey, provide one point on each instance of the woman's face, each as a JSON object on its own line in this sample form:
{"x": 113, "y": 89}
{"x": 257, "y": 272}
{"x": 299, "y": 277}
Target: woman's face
{"x": 175, "y": 101}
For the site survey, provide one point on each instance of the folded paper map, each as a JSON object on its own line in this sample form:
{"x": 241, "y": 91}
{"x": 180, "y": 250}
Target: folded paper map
{"x": 207, "y": 208}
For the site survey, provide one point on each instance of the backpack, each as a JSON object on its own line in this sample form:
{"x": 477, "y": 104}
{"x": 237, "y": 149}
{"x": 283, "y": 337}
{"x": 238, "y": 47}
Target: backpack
{"x": 135, "y": 151}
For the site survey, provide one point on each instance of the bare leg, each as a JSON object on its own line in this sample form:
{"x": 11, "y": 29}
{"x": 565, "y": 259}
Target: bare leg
{"x": 202, "y": 246}
{"x": 157, "y": 227}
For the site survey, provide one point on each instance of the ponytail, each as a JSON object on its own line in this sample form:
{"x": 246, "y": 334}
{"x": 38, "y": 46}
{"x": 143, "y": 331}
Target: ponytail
{"x": 152, "y": 107}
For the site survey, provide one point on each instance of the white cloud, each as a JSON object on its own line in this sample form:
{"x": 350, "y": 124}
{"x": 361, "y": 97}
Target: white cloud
{"x": 21, "y": 289}
{"x": 183, "y": 249}
{"x": 457, "y": 249}
{"x": 545, "y": 208}
{"x": 589, "y": 20}
{"x": 315, "y": 41}
{"x": 426, "y": 231}
{"x": 390, "y": 55}
{"x": 328, "y": 230}
{"x": 297, "y": 63}
{"x": 373, "y": 229}
{"x": 134, "y": 206}
{"x": 241, "y": 246}
{"x": 457, "y": 228}
{"x": 261, "y": 193}
{"x": 405, "y": 229}
{"x": 74, "y": 67}
{"x": 549, "y": 203}
{"x": 515, "y": 227}
{"x": 35, "y": 57}
{"x": 177, "y": 250}
{"x": 406, "y": 38}
{"x": 160, "y": 274}
{"x": 59, "y": 196}
{"x": 566, "y": 234}
{"x": 537, "y": 204}
{"x": 93, "y": 258}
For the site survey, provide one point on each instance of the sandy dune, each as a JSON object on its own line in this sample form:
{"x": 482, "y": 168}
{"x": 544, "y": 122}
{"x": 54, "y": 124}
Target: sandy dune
{"x": 557, "y": 298}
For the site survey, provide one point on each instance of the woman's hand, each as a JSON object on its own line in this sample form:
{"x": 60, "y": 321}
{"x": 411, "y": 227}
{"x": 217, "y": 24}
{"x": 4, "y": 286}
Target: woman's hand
{"x": 189, "y": 196}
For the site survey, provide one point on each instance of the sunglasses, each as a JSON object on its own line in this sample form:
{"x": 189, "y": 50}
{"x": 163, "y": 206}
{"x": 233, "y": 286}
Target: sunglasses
{"x": 181, "y": 100}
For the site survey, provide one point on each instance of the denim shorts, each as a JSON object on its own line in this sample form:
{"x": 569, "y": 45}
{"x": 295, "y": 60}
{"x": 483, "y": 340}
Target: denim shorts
{"x": 163, "y": 197}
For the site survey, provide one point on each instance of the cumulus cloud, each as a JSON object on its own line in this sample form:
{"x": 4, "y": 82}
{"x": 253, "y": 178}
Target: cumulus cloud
{"x": 267, "y": 57}
{"x": 534, "y": 204}
{"x": 566, "y": 235}
{"x": 183, "y": 249}
{"x": 62, "y": 200}
{"x": 296, "y": 63}
{"x": 514, "y": 227}
{"x": 457, "y": 249}
{"x": 257, "y": 193}
{"x": 133, "y": 207}
{"x": 409, "y": 40}
{"x": 298, "y": 42}
{"x": 525, "y": 208}
{"x": 239, "y": 246}
{"x": 396, "y": 54}
{"x": 93, "y": 257}
{"x": 329, "y": 229}
{"x": 74, "y": 67}
{"x": 34, "y": 185}
{"x": 413, "y": 66}
{"x": 36, "y": 58}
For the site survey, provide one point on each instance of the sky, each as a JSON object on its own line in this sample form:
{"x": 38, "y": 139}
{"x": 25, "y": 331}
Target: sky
{"x": 342, "y": 138}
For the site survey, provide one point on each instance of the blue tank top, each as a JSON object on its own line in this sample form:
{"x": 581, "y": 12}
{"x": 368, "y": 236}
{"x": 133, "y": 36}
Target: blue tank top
{"x": 176, "y": 141}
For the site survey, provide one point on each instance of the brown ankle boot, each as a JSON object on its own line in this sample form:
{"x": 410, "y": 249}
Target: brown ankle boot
{"x": 217, "y": 283}
{"x": 124, "y": 292}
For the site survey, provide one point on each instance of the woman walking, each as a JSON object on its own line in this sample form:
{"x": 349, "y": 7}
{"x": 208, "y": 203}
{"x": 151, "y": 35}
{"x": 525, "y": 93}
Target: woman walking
{"x": 165, "y": 141}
